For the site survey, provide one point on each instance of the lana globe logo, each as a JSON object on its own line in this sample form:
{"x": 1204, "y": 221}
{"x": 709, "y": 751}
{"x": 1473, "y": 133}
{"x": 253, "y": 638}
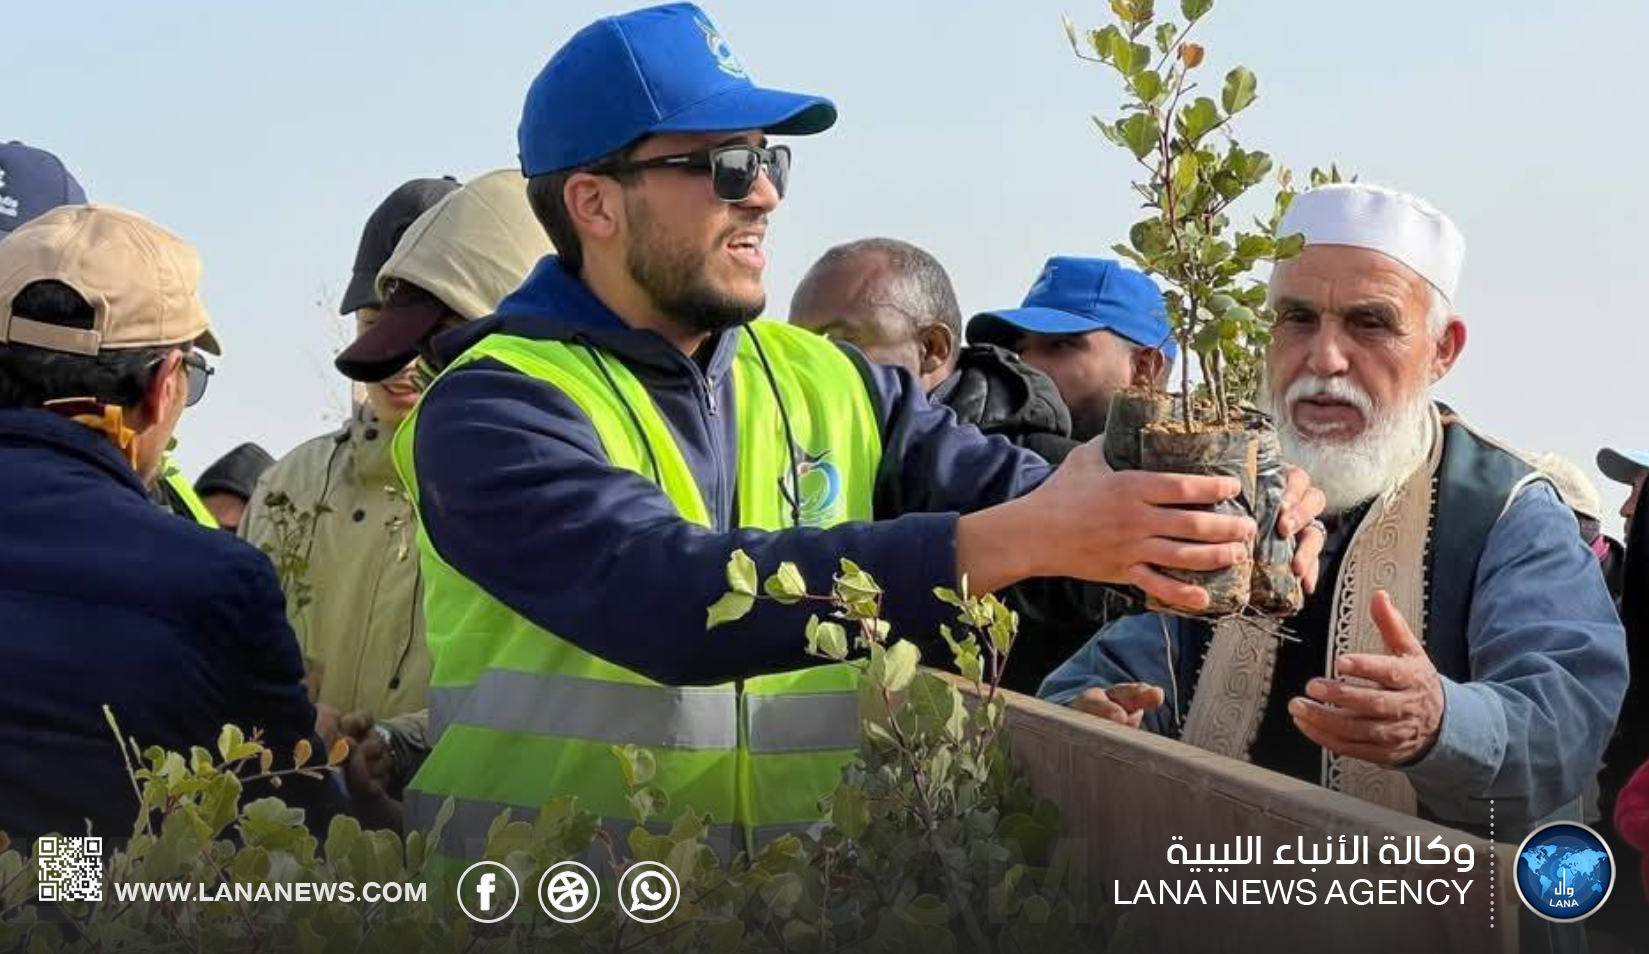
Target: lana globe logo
{"x": 1564, "y": 871}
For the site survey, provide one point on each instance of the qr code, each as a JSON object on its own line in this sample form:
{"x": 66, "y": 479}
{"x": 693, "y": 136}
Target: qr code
{"x": 71, "y": 869}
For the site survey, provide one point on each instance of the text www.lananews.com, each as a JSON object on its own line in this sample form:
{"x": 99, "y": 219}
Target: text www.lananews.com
{"x": 372, "y": 892}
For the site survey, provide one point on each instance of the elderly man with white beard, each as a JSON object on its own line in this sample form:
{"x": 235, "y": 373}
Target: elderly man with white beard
{"x": 1467, "y": 649}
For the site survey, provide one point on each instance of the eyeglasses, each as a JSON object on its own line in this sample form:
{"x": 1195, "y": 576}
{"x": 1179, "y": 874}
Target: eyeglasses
{"x": 733, "y": 169}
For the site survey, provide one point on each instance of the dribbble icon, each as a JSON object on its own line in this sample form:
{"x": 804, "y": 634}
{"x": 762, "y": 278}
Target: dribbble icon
{"x": 569, "y": 892}
{"x": 648, "y": 892}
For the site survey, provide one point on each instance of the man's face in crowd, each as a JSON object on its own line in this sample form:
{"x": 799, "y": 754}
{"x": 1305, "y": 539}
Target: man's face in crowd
{"x": 226, "y": 508}
{"x": 1350, "y": 369}
{"x": 1629, "y": 508}
{"x": 698, "y": 259}
{"x": 1087, "y": 369}
{"x": 392, "y": 399}
{"x": 839, "y": 300}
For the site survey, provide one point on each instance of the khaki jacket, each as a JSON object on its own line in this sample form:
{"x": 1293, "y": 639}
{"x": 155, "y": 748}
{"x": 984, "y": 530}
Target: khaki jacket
{"x": 362, "y": 628}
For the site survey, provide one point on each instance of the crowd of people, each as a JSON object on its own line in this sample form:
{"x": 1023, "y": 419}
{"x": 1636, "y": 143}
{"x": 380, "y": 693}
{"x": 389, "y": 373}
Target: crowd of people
{"x": 498, "y": 567}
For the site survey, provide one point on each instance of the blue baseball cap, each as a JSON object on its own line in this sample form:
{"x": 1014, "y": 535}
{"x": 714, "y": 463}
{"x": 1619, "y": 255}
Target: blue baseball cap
{"x": 32, "y": 183}
{"x": 1622, "y": 466}
{"x": 1081, "y": 295}
{"x": 660, "y": 70}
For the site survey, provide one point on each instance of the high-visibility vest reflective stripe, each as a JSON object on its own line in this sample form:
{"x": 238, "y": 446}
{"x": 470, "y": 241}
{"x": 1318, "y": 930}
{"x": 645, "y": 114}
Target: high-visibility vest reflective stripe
{"x": 184, "y": 493}
{"x": 521, "y": 716}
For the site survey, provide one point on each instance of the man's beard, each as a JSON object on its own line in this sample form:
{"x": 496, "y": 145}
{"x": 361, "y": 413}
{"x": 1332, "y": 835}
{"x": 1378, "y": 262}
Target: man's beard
{"x": 1393, "y": 445}
{"x": 674, "y": 278}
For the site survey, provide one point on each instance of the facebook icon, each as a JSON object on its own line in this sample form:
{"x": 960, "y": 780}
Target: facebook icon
{"x": 488, "y": 892}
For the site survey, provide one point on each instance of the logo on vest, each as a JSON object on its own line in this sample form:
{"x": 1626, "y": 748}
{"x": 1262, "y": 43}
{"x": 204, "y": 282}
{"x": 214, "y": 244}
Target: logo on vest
{"x": 725, "y": 60}
{"x": 813, "y": 488}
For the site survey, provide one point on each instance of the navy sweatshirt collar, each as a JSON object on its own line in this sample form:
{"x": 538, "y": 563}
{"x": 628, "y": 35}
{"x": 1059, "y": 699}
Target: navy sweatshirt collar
{"x": 37, "y": 428}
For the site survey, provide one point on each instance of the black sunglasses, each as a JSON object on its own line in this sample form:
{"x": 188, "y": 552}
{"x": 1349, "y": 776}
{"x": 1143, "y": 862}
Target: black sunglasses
{"x": 733, "y": 169}
{"x": 199, "y": 373}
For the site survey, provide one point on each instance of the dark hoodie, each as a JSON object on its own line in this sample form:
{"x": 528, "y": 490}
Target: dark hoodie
{"x": 995, "y": 391}
{"x": 518, "y": 496}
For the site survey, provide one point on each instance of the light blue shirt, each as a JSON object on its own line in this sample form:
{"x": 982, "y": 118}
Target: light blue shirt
{"x": 1548, "y": 673}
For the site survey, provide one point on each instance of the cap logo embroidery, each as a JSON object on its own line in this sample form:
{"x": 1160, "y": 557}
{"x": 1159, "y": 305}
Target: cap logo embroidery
{"x": 723, "y": 54}
{"x": 8, "y": 204}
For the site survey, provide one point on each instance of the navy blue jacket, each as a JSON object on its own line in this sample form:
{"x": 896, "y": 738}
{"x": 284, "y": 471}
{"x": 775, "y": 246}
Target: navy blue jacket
{"x": 517, "y": 495}
{"x": 105, "y": 599}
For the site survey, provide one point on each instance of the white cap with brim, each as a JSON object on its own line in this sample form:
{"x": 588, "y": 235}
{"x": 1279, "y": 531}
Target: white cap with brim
{"x": 1622, "y": 466}
{"x": 1395, "y": 224}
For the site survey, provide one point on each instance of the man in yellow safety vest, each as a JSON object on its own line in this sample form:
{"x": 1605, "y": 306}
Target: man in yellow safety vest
{"x": 593, "y": 453}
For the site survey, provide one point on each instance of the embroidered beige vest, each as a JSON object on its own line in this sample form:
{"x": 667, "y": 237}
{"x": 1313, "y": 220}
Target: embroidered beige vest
{"x": 1389, "y": 551}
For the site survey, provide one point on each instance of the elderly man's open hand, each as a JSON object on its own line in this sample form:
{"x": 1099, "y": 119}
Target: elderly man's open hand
{"x": 1393, "y": 713}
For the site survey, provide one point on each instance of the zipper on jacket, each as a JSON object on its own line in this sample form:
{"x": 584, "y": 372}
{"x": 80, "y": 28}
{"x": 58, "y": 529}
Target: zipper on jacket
{"x": 725, "y": 470}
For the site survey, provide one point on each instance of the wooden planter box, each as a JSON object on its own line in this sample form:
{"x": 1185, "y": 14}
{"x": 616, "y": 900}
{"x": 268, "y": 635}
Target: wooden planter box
{"x": 1125, "y": 793}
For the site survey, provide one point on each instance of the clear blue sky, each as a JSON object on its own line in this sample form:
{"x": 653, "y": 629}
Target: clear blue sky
{"x": 264, "y": 134}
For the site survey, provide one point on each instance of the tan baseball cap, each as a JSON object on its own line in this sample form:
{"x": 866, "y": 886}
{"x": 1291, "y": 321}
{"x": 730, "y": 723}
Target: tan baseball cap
{"x": 142, "y": 282}
{"x": 469, "y": 250}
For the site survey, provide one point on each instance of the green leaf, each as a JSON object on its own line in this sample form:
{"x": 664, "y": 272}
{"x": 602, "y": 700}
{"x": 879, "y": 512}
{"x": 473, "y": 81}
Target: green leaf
{"x": 1140, "y": 132}
{"x": 741, "y": 573}
{"x": 1106, "y": 42}
{"x": 900, "y": 665}
{"x": 969, "y": 661}
{"x": 1137, "y": 57}
{"x": 1198, "y": 118}
{"x": 1289, "y": 246}
{"x": 1150, "y": 237}
{"x": 230, "y": 740}
{"x": 1254, "y": 247}
{"x": 730, "y": 608}
{"x": 1255, "y": 167}
{"x": 1165, "y": 37}
{"x": 1111, "y": 132}
{"x": 1240, "y": 318}
{"x": 626, "y": 755}
{"x": 854, "y": 584}
{"x": 937, "y": 705}
{"x": 1185, "y": 175}
{"x": 787, "y": 585}
{"x": 826, "y": 639}
{"x": 1240, "y": 90}
{"x": 1147, "y": 85}
{"x": 268, "y": 823}
{"x": 1195, "y": 9}
{"x": 849, "y": 811}
{"x": 1135, "y": 13}
{"x": 1002, "y": 632}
